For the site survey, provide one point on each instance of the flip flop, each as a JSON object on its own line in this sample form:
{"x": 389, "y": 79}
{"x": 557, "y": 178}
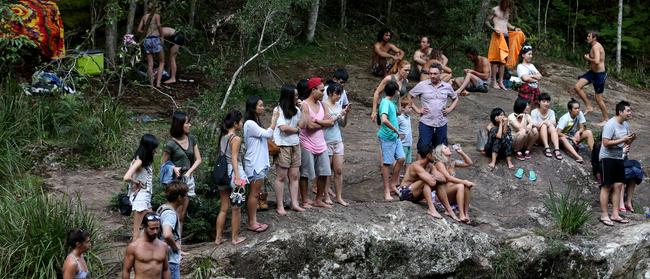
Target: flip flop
{"x": 629, "y": 208}
{"x": 548, "y": 153}
{"x": 557, "y": 154}
{"x": 606, "y": 222}
{"x": 622, "y": 220}
{"x": 260, "y": 228}
{"x": 520, "y": 156}
{"x": 520, "y": 173}
{"x": 527, "y": 154}
{"x": 532, "y": 176}
{"x": 580, "y": 161}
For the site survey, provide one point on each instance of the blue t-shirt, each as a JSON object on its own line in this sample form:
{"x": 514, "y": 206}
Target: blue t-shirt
{"x": 388, "y": 107}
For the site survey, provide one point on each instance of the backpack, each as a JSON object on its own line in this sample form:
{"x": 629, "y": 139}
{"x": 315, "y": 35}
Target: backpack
{"x": 220, "y": 175}
{"x": 160, "y": 211}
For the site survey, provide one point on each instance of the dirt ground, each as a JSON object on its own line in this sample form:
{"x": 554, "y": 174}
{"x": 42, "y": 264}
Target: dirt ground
{"x": 501, "y": 204}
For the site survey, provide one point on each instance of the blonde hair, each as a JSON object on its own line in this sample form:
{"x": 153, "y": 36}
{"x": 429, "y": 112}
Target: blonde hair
{"x": 438, "y": 156}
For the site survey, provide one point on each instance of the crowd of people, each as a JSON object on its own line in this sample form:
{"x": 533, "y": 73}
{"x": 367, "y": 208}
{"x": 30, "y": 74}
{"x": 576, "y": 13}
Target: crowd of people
{"x": 305, "y": 138}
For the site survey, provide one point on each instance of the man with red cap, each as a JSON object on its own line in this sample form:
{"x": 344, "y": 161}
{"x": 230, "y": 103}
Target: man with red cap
{"x": 315, "y": 161}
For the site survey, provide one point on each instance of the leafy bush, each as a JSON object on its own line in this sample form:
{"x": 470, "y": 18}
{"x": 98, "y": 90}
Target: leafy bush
{"x": 33, "y": 228}
{"x": 505, "y": 265}
{"x": 568, "y": 210}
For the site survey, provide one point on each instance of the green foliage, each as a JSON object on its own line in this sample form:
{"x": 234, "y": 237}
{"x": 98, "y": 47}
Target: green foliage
{"x": 33, "y": 229}
{"x": 505, "y": 265}
{"x": 13, "y": 48}
{"x": 204, "y": 268}
{"x": 569, "y": 211}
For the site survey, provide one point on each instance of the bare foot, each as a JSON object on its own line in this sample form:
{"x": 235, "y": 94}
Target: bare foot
{"x": 452, "y": 215}
{"x": 238, "y": 240}
{"x": 297, "y": 208}
{"x": 502, "y": 86}
{"x": 321, "y": 204}
{"x": 307, "y": 205}
{"x": 169, "y": 81}
{"x": 511, "y": 166}
{"x": 588, "y": 110}
{"x": 434, "y": 213}
{"x": 328, "y": 201}
{"x": 281, "y": 211}
{"x": 495, "y": 86}
{"x": 219, "y": 241}
{"x": 491, "y": 165}
{"x": 387, "y": 197}
{"x": 331, "y": 193}
{"x": 342, "y": 202}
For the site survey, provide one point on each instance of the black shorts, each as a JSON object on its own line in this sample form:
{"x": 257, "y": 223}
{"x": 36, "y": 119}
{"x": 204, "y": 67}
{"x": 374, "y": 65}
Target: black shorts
{"x": 613, "y": 171}
{"x": 597, "y": 80}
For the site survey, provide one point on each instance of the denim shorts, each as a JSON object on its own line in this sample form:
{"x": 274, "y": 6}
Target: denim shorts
{"x": 175, "y": 270}
{"x": 152, "y": 45}
{"x": 391, "y": 150}
{"x": 259, "y": 175}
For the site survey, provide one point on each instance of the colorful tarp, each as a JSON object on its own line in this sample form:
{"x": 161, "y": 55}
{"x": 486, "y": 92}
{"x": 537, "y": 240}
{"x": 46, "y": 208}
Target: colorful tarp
{"x": 42, "y": 23}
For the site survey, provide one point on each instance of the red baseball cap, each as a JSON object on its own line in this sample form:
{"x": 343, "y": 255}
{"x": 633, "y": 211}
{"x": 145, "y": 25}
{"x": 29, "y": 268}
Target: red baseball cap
{"x": 313, "y": 82}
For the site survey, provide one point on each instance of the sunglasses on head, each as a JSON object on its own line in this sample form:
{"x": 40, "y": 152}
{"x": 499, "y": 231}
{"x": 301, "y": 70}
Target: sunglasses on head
{"x": 152, "y": 217}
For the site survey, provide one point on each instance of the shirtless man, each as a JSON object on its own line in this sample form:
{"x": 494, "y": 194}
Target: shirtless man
{"x": 475, "y": 80}
{"x": 147, "y": 255}
{"x": 420, "y": 178}
{"x": 384, "y": 53}
{"x": 596, "y": 76}
{"x": 437, "y": 57}
{"x": 421, "y": 55}
{"x": 498, "y": 22}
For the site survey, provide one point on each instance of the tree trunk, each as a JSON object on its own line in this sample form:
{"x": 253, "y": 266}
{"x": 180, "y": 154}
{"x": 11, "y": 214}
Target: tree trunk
{"x": 133, "y": 5}
{"x": 344, "y": 4}
{"x": 480, "y": 18}
{"x": 619, "y": 32}
{"x": 545, "y": 17}
{"x": 313, "y": 19}
{"x": 193, "y": 5}
{"x": 111, "y": 31}
{"x": 146, "y": 6}
{"x": 575, "y": 22}
{"x": 389, "y": 10}
{"x": 539, "y": 20}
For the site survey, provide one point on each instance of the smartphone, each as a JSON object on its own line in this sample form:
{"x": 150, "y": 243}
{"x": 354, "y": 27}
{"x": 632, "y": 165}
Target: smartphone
{"x": 345, "y": 106}
{"x": 456, "y": 147}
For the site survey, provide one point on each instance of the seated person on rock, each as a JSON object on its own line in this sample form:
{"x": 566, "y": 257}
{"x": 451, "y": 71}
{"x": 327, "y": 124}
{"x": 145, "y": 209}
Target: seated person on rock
{"x": 421, "y": 56}
{"x": 571, "y": 130}
{"x": 499, "y": 144}
{"x": 384, "y": 53}
{"x": 420, "y": 179}
{"x": 544, "y": 120}
{"x": 436, "y": 57}
{"x": 524, "y": 134}
{"x": 458, "y": 190}
{"x": 476, "y": 79}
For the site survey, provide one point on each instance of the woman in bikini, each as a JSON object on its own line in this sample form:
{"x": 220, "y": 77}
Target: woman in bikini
{"x": 152, "y": 28}
{"x": 140, "y": 179}
{"x": 398, "y": 75}
{"x": 458, "y": 190}
{"x": 74, "y": 266}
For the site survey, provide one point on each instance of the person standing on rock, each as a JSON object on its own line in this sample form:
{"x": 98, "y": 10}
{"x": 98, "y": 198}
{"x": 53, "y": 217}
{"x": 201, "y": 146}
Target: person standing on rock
{"x": 315, "y": 161}
{"x": 183, "y": 151}
{"x": 341, "y": 77}
{"x": 335, "y": 147}
{"x": 175, "y": 193}
{"x": 256, "y": 160}
{"x": 596, "y": 76}
{"x": 420, "y": 180}
{"x": 392, "y": 152}
{"x": 433, "y": 95}
{"x": 147, "y": 255}
{"x": 613, "y": 151}
{"x": 140, "y": 179}
{"x": 504, "y": 45}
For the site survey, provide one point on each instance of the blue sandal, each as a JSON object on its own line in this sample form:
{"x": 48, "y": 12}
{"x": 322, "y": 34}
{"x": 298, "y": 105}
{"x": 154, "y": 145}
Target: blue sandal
{"x": 532, "y": 176}
{"x": 520, "y": 173}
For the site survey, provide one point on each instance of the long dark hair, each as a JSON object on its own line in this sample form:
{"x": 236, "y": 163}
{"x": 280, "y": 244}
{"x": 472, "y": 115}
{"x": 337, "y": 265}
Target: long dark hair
{"x": 148, "y": 143}
{"x": 301, "y": 86}
{"x": 251, "y": 109}
{"x": 178, "y": 120}
{"x": 380, "y": 34}
{"x": 288, "y": 101}
{"x": 233, "y": 117}
{"x": 493, "y": 115}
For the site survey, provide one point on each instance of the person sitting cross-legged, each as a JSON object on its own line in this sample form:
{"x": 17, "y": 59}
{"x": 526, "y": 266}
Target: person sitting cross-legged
{"x": 571, "y": 130}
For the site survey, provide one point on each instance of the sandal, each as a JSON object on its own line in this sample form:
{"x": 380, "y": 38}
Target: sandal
{"x": 527, "y": 154}
{"x": 606, "y": 222}
{"x": 622, "y": 220}
{"x": 558, "y": 155}
{"x": 520, "y": 173}
{"x": 520, "y": 156}
{"x": 260, "y": 228}
{"x": 532, "y": 176}
{"x": 547, "y": 152}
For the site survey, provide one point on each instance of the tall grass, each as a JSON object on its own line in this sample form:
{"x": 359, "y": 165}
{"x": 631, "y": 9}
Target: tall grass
{"x": 33, "y": 227}
{"x": 569, "y": 211}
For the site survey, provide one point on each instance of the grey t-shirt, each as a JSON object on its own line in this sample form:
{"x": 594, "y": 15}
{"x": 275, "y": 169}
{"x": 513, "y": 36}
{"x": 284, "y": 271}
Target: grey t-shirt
{"x": 613, "y": 131}
{"x": 168, "y": 218}
{"x": 179, "y": 156}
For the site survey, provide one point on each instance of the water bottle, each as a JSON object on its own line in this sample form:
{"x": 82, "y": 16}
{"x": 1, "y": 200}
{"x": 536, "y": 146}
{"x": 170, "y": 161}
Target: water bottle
{"x": 647, "y": 212}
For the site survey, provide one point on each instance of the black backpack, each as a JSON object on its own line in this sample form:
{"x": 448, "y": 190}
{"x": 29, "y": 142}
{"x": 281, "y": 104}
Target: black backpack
{"x": 220, "y": 175}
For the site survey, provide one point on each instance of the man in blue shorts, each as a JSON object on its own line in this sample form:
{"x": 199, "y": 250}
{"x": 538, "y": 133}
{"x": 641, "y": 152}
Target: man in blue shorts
{"x": 596, "y": 76}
